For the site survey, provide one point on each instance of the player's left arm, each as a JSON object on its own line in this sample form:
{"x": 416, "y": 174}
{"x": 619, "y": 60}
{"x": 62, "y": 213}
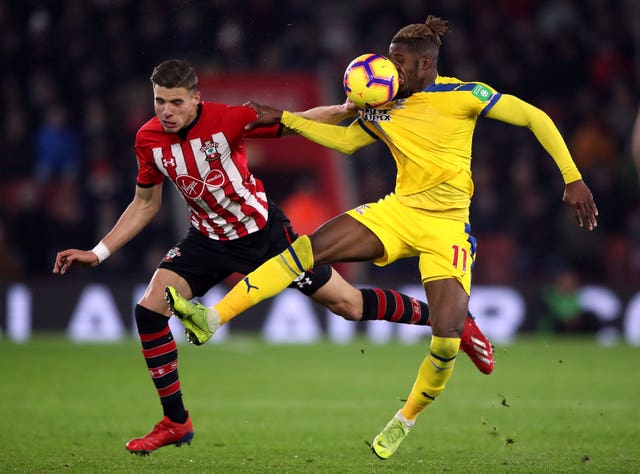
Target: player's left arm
{"x": 512, "y": 110}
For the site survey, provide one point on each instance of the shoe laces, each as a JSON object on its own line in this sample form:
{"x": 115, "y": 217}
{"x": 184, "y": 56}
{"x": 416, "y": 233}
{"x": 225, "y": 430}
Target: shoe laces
{"x": 161, "y": 426}
{"x": 396, "y": 432}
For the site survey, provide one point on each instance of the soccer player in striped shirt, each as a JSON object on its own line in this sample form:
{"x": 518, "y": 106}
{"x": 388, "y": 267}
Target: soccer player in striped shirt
{"x": 199, "y": 147}
{"x": 428, "y": 128}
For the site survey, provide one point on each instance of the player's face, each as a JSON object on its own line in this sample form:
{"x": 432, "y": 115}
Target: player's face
{"x": 175, "y": 107}
{"x": 411, "y": 69}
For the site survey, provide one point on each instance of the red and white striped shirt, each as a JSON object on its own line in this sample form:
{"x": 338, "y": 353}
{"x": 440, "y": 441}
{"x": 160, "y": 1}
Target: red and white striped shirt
{"x": 207, "y": 163}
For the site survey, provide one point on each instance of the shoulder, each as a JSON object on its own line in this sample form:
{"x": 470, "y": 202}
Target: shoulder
{"x": 148, "y": 131}
{"x": 219, "y": 108}
{"x": 453, "y": 84}
{"x": 226, "y": 112}
{"x": 466, "y": 93}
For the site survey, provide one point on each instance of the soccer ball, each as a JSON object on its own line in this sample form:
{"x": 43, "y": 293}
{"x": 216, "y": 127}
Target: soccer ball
{"x": 371, "y": 80}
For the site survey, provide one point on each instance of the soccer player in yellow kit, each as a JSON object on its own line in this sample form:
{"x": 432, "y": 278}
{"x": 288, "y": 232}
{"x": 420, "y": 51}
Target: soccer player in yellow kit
{"x": 428, "y": 128}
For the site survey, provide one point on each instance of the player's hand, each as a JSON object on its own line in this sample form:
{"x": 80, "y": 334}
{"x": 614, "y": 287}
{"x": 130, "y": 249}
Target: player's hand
{"x": 267, "y": 115}
{"x": 67, "y": 258}
{"x": 579, "y": 197}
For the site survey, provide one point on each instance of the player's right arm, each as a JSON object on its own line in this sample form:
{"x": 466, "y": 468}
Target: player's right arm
{"x": 331, "y": 114}
{"x": 347, "y": 139}
{"x": 144, "y": 206}
{"x": 343, "y": 139}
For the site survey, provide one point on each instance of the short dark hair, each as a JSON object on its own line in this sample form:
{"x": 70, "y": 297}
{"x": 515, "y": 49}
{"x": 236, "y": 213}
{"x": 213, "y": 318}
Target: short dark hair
{"x": 175, "y": 73}
{"x": 423, "y": 35}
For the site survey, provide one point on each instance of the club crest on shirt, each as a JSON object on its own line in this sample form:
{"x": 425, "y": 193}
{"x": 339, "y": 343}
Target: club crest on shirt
{"x": 171, "y": 254}
{"x": 210, "y": 149}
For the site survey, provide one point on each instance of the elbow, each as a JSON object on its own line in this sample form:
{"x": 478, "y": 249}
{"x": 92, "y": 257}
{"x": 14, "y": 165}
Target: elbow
{"x": 155, "y": 208}
{"x": 348, "y": 149}
{"x": 148, "y": 208}
{"x": 348, "y": 145}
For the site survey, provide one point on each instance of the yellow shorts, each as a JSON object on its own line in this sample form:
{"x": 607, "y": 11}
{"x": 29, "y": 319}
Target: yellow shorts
{"x": 445, "y": 247}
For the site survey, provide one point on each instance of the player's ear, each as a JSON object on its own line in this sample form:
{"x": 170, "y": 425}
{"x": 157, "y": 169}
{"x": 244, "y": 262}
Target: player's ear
{"x": 425, "y": 62}
{"x": 196, "y": 96}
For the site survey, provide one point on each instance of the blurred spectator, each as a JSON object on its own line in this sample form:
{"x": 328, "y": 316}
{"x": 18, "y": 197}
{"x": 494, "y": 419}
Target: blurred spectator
{"x": 593, "y": 146}
{"x": 633, "y": 242}
{"x": 532, "y": 215}
{"x": 305, "y": 206}
{"x": 487, "y": 206}
{"x": 635, "y": 143}
{"x": 65, "y": 219}
{"x": 24, "y": 214}
{"x": 10, "y": 268}
{"x": 563, "y": 312}
{"x": 57, "y": 147}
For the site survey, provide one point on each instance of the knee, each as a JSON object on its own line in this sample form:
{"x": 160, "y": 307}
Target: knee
{"x": 456, "y": 331}
{"x": 340, "y": 298}
{"x": 447, "y": 326}
{"x": 155, "y": 303}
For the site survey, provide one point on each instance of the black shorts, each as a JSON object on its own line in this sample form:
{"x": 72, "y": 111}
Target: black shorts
{"x": 205, "y": 262}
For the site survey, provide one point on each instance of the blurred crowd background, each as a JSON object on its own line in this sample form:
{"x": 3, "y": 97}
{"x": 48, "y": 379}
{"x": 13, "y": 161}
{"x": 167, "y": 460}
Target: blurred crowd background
{"x": 75, "y": 89}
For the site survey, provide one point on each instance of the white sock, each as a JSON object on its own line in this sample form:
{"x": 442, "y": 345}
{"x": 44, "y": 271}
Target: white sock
{"x": 409, "y": 423}
{"x": 213, "y": 319}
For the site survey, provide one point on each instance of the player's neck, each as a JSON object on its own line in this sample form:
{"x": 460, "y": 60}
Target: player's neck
{"x": 182, "y": 133}
{"x": 430, "y": 79}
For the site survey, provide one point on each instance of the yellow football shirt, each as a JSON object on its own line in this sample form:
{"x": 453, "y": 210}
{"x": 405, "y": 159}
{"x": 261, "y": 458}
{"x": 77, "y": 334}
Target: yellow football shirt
{"x": 430, "y": 135}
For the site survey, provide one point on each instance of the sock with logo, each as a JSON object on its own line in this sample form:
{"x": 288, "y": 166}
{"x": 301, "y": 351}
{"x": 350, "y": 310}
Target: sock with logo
{"x": 161, "y": 355}
{"x": 389, "y": 305}
{"x": 267, "y": 280}
{"x": 433, "y": 374}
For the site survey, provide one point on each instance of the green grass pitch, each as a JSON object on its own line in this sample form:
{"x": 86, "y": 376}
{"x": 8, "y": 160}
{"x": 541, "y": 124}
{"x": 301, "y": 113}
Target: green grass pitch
{"x": 552, "y": 405}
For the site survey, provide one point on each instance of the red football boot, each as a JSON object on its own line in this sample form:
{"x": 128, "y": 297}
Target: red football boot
{"x": 164, "y": 433}
{"x": 477, "y": 346}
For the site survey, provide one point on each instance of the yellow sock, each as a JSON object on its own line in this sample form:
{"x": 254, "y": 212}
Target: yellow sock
{"x": 434, "y": 372}
{"x": 267, "y": 280}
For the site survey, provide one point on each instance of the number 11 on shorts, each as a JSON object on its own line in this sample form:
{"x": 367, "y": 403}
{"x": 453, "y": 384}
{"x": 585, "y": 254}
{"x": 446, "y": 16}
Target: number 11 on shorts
{"x": 459, "y": 253}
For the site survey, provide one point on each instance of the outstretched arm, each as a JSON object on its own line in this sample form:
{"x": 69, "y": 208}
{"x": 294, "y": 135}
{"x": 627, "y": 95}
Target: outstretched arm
{"x": 344, "y": 139}
{"x": 331, "y": 114}
{"x": 145, "y": 204}
{"x": 515, "y": 111}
